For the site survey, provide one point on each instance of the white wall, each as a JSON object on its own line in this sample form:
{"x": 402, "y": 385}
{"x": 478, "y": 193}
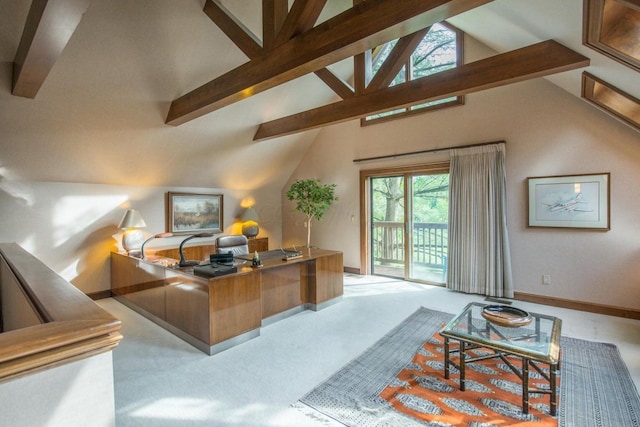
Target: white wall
{"x": 72, "y": 228}
{"x": 548, "y": 132}
{"x": 76, "y": 394}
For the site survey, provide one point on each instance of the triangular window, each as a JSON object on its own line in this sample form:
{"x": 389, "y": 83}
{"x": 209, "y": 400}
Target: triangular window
{"x": 441, "y": 49}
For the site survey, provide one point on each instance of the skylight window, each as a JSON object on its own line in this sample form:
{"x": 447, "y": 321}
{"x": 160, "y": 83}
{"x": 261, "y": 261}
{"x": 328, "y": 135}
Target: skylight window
{"x": 441, "y": 49}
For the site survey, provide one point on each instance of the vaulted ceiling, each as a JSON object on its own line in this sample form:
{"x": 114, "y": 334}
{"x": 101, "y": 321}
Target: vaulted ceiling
{"x": 128, "y": 66}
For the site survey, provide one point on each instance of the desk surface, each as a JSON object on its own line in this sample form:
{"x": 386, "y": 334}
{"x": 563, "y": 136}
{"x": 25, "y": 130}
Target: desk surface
{"x": 269, "y": 259}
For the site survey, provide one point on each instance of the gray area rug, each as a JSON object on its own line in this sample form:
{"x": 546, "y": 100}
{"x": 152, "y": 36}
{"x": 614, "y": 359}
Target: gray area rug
{"x": 595, "y": 386}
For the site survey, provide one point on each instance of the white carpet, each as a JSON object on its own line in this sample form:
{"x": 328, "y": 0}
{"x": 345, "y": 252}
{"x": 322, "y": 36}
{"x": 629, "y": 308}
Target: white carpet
{"x": 162, "y": 381}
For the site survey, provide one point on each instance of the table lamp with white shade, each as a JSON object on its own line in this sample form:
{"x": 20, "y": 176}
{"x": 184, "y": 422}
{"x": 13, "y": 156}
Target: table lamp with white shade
{"x": 132, "y": 238}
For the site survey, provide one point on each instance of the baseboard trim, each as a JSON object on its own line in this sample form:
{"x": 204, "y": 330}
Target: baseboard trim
{"x": 100, "y": 295}
{"x": 578, "y": 305}
{"x": 352, "y": 270}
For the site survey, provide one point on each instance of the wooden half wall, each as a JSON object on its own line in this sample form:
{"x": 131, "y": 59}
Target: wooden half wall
{"x": 55, "y": 347}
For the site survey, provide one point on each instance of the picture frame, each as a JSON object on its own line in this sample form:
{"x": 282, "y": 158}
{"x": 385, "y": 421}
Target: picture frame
{"x": 192, "y": 213}
{"x": 569, "y": 201}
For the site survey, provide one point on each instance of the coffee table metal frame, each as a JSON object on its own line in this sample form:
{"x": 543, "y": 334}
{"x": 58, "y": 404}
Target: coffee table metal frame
{"x": 536, "y": 343}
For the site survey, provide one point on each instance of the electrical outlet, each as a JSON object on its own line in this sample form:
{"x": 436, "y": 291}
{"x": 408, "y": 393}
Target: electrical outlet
{"x": 546, "y": 279}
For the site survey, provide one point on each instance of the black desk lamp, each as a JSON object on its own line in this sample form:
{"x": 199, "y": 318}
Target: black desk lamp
{"x": 155, "y": 236}
{"x": 184, "y": 263}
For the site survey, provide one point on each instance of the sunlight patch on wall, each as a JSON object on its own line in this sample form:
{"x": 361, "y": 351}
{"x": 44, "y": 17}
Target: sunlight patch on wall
{"x": 14, "y": 189}
{"x": 29, "y": 243}
{"x": 71, "y": 271}
{"x": 74, "y": 214}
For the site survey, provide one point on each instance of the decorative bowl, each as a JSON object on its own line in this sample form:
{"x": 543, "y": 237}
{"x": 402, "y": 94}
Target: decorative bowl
{"x": 506, "y": 316}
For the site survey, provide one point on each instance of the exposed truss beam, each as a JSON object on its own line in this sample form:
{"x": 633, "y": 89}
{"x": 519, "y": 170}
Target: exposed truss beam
{"x": 274, "y": 13}
{"x": 396, "y": 60}
{"x": 301, "y": 18}
{"x": 238, "y": 33}
{"x": 339, "y": 86}
{"x": 537, "y": 60}
{"x": 362, "y": 71}
{"x": 50, "y": 24}
{"x": 360, "y": 28}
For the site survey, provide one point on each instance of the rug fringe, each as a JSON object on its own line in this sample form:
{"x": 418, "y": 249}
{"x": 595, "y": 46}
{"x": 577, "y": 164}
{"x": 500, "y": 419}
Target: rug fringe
{"x": 316, "y": 415}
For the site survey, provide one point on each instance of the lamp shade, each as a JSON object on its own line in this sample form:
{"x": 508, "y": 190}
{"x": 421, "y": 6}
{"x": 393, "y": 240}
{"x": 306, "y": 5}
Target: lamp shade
{"x": 132, "y": 219}
{"x": 249, "y": 214}
{"x": 132, "y": 238}
{"x": 249, "y": 218}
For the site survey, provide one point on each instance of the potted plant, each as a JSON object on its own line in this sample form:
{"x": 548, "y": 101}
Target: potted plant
{"x": 312, "y": 199}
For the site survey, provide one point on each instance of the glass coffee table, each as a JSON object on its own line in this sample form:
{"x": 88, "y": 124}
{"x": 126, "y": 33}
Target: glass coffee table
{"x": 537, "y": 343}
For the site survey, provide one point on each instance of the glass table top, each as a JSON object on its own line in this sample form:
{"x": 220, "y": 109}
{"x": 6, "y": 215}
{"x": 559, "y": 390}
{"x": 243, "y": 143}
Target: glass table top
{"x": 538, "y": 340}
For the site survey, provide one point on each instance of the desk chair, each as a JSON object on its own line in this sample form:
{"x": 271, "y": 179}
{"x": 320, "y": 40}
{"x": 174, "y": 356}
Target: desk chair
{"x": 236, "y": 244}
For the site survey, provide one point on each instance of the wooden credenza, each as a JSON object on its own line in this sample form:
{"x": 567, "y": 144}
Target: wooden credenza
{"x": 214, "y": 314}
{"x": 201, "y": 252}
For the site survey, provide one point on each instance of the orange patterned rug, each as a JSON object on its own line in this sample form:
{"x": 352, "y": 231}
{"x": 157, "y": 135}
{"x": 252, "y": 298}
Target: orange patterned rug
{"x": 399, "y": 381}
{"x": 493, "y": 394}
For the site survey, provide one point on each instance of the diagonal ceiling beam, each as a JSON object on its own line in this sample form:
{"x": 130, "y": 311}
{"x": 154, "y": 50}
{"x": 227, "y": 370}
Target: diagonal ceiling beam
{"x": 362, "y": 27}
{"x": 396, "y": 60}
{"x": 50, "y": 24}
{"x": 533, "y": 61}
{"x": 238, "y": 33}
{"x": 301, "y": 18}
{"x": 339, "y": 86}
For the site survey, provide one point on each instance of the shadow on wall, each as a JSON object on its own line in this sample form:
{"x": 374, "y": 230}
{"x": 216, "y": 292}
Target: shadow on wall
{"x": 91, "y": 258}
{"x": 71, "y": 228}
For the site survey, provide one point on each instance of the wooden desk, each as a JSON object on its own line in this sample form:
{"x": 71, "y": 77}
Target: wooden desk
{"x": 214, "y": 314}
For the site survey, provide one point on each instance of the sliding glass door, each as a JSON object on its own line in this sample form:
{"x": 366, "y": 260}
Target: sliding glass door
{"x": 388, "y": 226}
{"x": 428, "y": 222}
{"x": 407, "y": 216}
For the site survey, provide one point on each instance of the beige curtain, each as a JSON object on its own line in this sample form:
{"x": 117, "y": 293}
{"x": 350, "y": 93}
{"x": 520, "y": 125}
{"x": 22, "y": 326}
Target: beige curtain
{"x": 479, "y": 261}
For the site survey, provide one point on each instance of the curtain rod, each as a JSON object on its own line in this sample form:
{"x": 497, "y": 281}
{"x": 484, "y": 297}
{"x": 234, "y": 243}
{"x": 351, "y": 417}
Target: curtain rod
{"x": 435, "y": 150}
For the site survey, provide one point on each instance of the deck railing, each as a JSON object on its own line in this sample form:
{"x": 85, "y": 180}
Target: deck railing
{"x": 429, "y": 243}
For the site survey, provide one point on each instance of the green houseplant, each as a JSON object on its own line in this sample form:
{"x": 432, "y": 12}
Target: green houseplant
{"x": 312, "y": 199}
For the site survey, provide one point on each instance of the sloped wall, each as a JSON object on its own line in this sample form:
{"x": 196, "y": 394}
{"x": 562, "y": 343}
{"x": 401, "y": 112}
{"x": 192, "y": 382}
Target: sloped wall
{"x": 548, "y": 132}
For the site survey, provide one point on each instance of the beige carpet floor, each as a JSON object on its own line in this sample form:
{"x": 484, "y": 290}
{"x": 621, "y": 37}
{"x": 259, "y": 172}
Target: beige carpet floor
{"x": 162, "y": 381}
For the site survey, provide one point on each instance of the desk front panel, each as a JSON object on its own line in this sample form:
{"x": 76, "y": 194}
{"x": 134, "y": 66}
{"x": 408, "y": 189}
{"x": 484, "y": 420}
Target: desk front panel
{"x": 281, "y": 289}
{"x": 326, "y": 279}
{"x": 140, "y": 283}
{"x": 187, "y": 304}
{"x": 234, "y": 305}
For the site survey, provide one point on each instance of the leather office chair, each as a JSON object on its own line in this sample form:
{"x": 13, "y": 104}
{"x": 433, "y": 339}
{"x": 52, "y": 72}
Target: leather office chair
{"x": 236, "y": 244}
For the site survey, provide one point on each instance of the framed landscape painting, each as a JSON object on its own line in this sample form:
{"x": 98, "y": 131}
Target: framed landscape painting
{"x": 569, "y": 201}
{"x": 190, "y": 213}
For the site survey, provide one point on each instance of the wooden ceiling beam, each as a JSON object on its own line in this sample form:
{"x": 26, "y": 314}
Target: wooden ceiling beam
{"x": 234, "y": 29}
{"x": 398, "y": 58}
{"x": 530, "y": 62}
{"x": 49, "y": 26}
{"x": 360, "y": 28}
{"x": 274, "y": 14}
{"x": 301, "y": 18}
{"x": 298, "y": 19}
